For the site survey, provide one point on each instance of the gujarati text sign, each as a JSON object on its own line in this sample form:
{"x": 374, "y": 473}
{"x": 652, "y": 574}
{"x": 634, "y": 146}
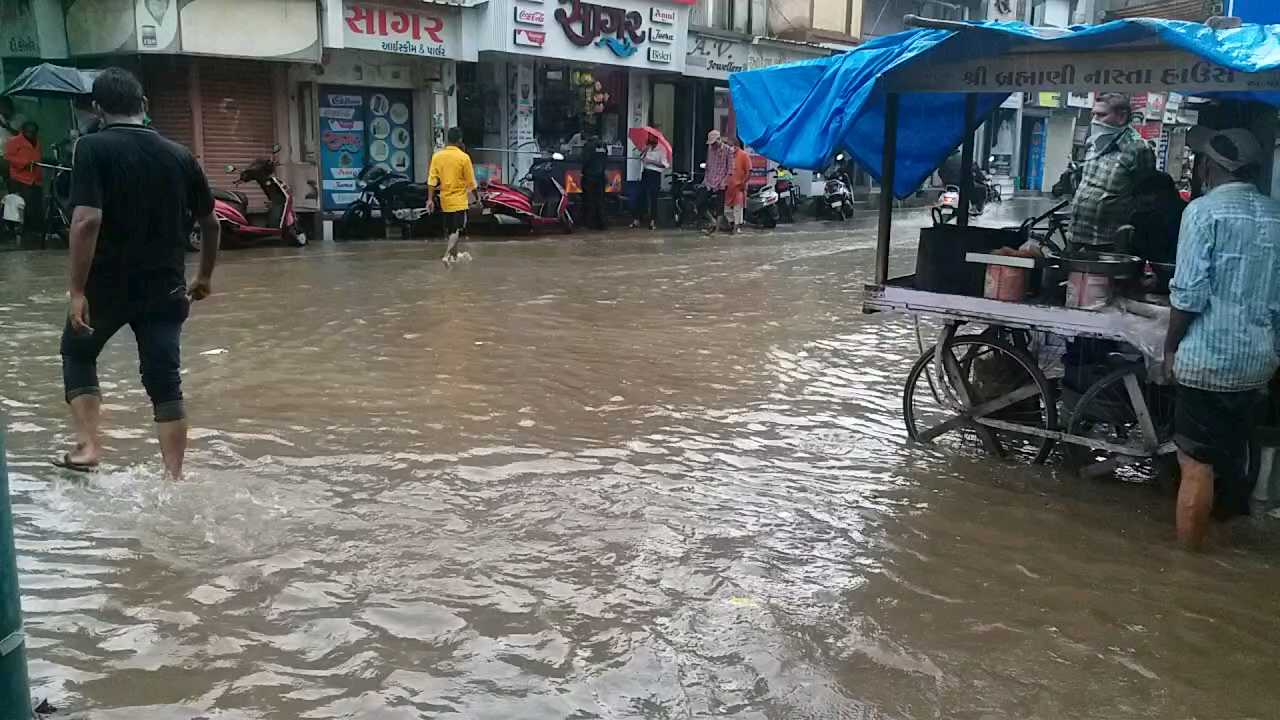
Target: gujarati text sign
{"x": 1157, "y": 71}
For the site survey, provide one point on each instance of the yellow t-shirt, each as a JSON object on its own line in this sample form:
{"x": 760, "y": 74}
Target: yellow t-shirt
{"x": 453, "y": 177}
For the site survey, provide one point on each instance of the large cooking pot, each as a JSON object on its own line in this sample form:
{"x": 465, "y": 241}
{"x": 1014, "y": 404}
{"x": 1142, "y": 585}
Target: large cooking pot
{"x": 1164, "y": 276}
{"x": 1114, "y": 265}
{"x": 1058, "y": 269}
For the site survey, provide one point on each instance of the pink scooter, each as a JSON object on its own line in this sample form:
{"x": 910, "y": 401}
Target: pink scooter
{"x": 231, "y": 207}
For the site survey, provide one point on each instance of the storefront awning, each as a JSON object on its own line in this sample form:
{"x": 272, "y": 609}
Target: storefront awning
{"x": 801, "y": 114}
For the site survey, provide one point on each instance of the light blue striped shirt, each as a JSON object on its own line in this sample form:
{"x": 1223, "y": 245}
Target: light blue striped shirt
{"x": 1228, "y": 274}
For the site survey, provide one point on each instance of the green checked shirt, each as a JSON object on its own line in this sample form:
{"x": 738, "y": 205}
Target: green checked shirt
{"x": 1104, "y": 199}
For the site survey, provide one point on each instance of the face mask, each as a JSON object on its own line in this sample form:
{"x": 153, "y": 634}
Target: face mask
{"x": 1101, "y": 134}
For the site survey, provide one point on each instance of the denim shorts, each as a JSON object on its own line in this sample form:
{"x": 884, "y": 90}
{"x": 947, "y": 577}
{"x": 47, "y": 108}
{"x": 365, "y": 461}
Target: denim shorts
{"x": 1214, "y": 428}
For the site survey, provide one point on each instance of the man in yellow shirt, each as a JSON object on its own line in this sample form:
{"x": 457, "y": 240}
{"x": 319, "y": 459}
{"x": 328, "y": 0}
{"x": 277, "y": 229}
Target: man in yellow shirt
{"x": 454, "y": 179}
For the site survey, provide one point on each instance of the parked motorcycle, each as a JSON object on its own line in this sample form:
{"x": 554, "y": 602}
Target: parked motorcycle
{"x": 1068, "y": 181}
{"x": 546, "y": 204}
{"x": 788, "y": 194}
{"x": 57, "y": 209}
{"x": 684, "y": 199}
{"x": 386, "y": 195}
{"x": 837, "y": 193}
{"x": 232, "y": 210}
{"x": 762, "y": 206}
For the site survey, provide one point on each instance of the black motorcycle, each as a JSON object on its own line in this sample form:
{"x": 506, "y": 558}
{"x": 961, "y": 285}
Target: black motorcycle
{"x": 387, "y": 196}
{"x": 684, "y": 199}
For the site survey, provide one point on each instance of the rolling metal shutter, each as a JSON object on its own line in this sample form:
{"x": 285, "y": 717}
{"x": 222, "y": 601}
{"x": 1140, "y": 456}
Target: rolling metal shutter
{"x": 167, "y": 83}
{"x": 238, "y": 119}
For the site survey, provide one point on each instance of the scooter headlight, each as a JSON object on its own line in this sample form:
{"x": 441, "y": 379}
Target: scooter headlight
{"x": 361, "y": 184}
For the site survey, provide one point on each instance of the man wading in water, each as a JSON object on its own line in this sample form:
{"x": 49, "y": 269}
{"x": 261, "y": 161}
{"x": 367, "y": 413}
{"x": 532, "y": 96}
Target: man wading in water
{"x": 133, "y": 194}
{"x": 453, "y": 179}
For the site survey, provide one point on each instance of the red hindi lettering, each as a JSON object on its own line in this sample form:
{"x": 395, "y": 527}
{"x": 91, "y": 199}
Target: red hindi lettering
{"x": 359, "y": 16}
{"x": 431, "y": 26}
{"x": 400, "y": 23}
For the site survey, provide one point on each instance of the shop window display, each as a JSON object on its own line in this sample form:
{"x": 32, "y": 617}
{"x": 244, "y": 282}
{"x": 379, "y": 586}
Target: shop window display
{"x": 574, "y": 104}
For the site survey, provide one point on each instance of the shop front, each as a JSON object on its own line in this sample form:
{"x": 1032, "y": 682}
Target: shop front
{"x": 380, "y": 96}
{"x": 215, "y": 71}
{"x": 551, "y": 76}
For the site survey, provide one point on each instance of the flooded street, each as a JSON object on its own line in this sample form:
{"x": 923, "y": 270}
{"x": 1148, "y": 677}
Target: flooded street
{"x": 653, "y": 477}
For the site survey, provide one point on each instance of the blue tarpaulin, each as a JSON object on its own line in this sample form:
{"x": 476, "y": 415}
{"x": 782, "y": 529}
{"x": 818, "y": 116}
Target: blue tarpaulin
{"x": 803, "y": 113}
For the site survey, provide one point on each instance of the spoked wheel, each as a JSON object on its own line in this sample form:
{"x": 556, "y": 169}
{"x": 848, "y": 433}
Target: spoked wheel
{"x": 1130, "y": 420}
{"x": 988, "y": 392}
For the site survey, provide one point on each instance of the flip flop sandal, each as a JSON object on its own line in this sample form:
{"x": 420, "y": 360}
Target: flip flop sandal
{"x": 66, "y": 463}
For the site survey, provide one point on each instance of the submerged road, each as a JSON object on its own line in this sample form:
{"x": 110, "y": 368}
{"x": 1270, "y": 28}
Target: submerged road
{"x": 650, "y": 477}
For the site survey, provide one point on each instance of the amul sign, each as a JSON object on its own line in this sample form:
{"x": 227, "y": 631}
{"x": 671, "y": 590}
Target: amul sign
{"x": 1126, "y": 72}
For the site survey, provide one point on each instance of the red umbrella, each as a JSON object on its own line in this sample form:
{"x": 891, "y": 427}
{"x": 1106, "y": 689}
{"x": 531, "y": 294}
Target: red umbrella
{"x": 640, "y": 136}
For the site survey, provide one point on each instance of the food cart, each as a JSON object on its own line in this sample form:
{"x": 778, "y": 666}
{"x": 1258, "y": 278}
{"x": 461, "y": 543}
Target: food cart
{"x": 901, "y": 104}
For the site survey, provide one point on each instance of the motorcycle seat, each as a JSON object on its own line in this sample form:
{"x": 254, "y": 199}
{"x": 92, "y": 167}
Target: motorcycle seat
{"x": 232, "y": 196}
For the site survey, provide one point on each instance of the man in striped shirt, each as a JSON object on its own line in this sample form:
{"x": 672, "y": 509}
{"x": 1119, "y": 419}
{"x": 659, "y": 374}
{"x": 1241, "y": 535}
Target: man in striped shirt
{"x": 1224, "y": 328}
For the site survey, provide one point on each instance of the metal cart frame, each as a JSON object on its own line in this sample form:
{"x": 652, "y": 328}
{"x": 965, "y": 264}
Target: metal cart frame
{"x": 986, "y": 417}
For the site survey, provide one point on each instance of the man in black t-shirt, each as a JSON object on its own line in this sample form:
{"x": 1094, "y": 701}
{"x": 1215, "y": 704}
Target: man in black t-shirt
{"x": 134, "y": 194}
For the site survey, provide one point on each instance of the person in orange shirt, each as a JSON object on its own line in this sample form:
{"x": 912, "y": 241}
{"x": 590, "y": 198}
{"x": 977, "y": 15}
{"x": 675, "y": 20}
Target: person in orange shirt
{"x": 735, "y": 194}
{"x": 22, "y": 152}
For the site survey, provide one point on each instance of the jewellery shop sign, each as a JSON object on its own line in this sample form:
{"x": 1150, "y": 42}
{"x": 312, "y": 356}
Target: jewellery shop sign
{"x": 430, "y": 31}
{"x": 617, "y": 32}
{"x": 1153, "y": 71}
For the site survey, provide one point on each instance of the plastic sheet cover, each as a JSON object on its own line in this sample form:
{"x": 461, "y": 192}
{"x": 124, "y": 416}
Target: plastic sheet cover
{"x": 801, "y": 114}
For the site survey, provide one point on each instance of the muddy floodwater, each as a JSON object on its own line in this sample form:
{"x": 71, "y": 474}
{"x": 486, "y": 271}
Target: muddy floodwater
{"x": 650, "y": 477}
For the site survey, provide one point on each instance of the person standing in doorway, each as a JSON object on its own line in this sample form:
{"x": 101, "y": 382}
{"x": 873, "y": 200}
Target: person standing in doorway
{"x": 735, "y": 193}
{"x": 453, "y": 179}
{"x": 1116, "y": 163}
{"x": 22, "y": 153}
{"x": 133, "y": 195}
{"x": 719, "y": 167}
{"x": 653, "y": 160}
{"x": 1224, "y": 328}
{"x": 594, "y": 157}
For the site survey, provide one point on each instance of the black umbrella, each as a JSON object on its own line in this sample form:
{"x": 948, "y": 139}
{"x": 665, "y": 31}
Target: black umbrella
{"x": 46, "y": 80}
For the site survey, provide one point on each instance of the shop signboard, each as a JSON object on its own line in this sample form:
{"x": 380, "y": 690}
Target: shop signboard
{"x": 530, "y": 38}
{"x": 663, "y": 16}
{"x": 714, "y": 57}
{"x": 661, "y": 36}
{"x": 361, "y": 127}
{"x": 405, "y": 31}
{"x": 530, "y": 16}
{"x": 1080, "y": 100}
{"x": 1081, "y": 72}
{"x": 1150, "y": 130}
{"x": 1155, "y": 105}
{"x": 1035, "y": 154}
{"x": 615, "y": 32}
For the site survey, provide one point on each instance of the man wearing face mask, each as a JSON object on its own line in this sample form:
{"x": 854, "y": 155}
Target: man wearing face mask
{"x": 1117, "y": 161}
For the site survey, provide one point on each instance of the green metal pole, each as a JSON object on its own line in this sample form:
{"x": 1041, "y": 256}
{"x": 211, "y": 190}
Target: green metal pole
{"x": 15, "y": 693}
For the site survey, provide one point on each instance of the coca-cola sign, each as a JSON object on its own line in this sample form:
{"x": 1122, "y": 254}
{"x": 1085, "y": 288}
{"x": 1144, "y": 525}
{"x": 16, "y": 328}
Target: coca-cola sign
{"x": 530, "y": 16}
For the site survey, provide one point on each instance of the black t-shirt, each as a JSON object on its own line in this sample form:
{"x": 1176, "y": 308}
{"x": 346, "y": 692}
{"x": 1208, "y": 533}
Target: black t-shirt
{"x": 149, "y": 189}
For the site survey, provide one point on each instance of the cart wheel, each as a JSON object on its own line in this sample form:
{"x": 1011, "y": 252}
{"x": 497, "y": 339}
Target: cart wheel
{"x": 1106, "y": 412}
{"x": 1003, "y": 385}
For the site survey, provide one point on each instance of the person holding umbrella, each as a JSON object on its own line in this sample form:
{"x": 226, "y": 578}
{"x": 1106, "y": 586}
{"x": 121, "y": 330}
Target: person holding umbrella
{"x": 653, "y": 160}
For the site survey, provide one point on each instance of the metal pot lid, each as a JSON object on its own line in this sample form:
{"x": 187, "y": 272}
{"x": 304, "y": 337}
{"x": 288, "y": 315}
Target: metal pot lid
{"x": 1101, "y": 263}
